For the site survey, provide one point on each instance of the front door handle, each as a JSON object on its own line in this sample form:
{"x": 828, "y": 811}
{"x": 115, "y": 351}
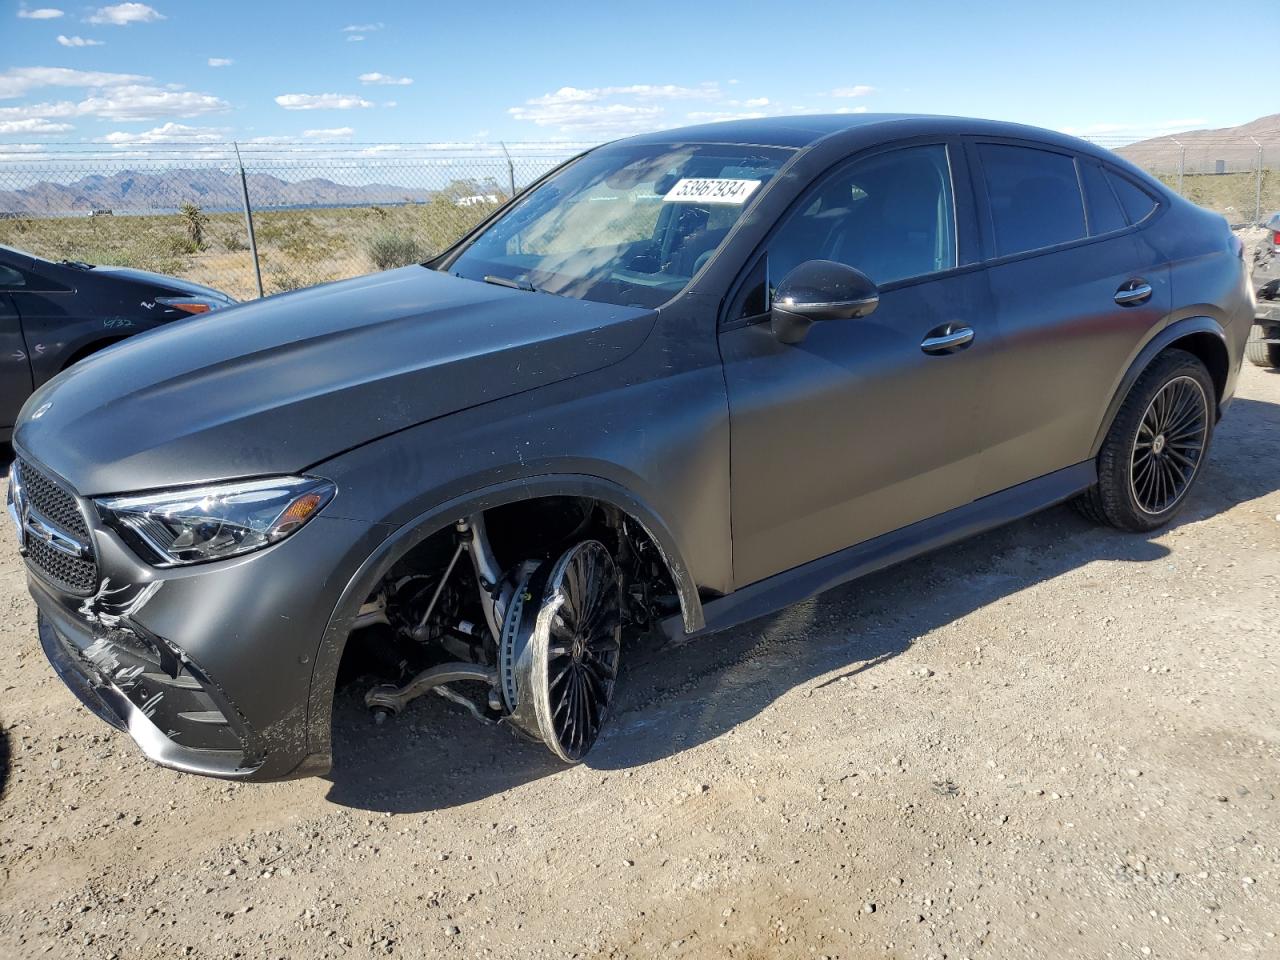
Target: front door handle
{"x": 947, "y": 339}
{"x": 1133, "y": 292}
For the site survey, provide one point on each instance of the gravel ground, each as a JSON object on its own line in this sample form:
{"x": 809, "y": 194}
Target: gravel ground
{"x": 1052, "y": 741}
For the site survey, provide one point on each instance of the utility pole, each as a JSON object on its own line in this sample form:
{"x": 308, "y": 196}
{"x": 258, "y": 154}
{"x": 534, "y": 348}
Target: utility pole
{"x": 248, "y": 220}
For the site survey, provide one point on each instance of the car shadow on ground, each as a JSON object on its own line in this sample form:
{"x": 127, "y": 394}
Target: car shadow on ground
{"x": 674, "y": 697}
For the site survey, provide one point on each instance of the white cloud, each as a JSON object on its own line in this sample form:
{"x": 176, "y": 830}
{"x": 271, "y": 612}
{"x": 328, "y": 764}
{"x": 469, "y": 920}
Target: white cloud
{"x": 851, "y": 110}
{"x": 385, "y": 80}
{"x": 756, "y": 102}
{"x": 329, "y": 133}
{"x": 140, "y": 102}
{"x": 362, "y": 27}
{"x": 113, "y": 96}
{"x": 167, "y": 133}
{"x": 860, "y": 90}
{"x": 33, "y": 125}
{"x": 354, "y": 38}
{"x": 590, "y": 118}
{"x": 639, "y": 91}
{"x": 17, "y": 81}
{"x": 40, "y": 13}
{"x": 123, "y": 14}
{"x": 717, "y": 116}
{"x": 321, "y": 101}
{"x": 602, "y": 111}
{"x": 78, "y": 41}
{"x": 220, "y": 62}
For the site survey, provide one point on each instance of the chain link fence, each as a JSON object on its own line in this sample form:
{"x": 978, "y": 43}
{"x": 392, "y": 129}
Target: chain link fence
{"x": 326, "y": 212}
{"x": 317, "y": 213}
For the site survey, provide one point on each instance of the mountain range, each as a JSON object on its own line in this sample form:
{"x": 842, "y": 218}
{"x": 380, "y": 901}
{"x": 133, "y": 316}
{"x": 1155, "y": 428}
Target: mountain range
{"x": 130, "y": 191}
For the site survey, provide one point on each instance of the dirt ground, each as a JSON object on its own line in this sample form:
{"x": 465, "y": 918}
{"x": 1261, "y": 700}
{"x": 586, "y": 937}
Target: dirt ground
{"x": 1052, "y": 741}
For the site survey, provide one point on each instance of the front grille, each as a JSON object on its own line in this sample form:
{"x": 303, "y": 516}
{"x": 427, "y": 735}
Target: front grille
{"x": 70, "y": 573}
{"x": 58, "y": 507}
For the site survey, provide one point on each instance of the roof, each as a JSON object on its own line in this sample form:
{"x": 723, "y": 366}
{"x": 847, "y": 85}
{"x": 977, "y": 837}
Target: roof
{"x": 795, "y": 131}
{"x": 798, "y": 132}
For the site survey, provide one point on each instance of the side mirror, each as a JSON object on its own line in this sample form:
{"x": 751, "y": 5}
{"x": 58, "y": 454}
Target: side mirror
{"x": 820, "y": 290}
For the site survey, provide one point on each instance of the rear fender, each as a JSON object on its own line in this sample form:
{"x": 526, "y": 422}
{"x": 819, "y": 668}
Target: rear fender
{"x": 1160, "y": 341}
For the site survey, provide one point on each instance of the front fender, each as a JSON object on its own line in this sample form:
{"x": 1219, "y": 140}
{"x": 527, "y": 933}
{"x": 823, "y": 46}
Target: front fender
{"x": 405, "y": 538}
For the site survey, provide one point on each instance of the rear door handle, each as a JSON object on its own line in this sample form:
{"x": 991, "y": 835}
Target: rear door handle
{"x": 947, "y": 339}
{"x": 1133, "y": 292}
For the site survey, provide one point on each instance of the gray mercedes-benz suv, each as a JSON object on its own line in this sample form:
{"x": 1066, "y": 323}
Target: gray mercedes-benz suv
{"x": 681, "y": 381}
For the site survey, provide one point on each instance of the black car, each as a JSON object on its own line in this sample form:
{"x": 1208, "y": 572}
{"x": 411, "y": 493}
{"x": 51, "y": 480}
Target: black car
{"x": 54, "y": 314}
{"x": 684, "y": 380}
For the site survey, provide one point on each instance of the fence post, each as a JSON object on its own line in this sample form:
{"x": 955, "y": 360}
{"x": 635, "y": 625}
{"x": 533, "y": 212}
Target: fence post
{"x": 1182, "y": 164}
{"x": 511, "y": 170}
{"x": 1257, "y": 192}
{"x": 248, "y": 220}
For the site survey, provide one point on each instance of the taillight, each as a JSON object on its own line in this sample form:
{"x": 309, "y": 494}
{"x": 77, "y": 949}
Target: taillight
{"x": 1275, "y": 238}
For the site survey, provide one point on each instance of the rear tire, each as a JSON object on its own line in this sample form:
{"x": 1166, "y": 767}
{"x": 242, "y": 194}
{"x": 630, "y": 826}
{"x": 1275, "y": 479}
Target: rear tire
{"x": 1154, "y": 451}
{"x": 1261, "y": 354}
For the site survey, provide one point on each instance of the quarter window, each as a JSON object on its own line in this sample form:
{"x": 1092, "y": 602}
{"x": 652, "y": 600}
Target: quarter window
{"x": 1105, "y": 214}
{"x": 1034, "y": 198}
{"x": 1137, "y": 203}
{"x": 890, "y": 216}
{"x": 11, "y": 279}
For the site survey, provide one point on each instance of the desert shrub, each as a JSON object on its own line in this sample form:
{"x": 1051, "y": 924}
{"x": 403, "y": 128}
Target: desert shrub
{"x": 195, "y": 221}
{"x": 234, "y": 242}
{"x": 282, "y": 280}
{"x": 394, "y": 248}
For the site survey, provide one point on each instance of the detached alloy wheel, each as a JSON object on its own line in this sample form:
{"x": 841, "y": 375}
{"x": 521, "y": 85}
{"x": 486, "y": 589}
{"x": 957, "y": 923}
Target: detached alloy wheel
{"x": 565, "y": 651}
{"x": 1153, "y": 453}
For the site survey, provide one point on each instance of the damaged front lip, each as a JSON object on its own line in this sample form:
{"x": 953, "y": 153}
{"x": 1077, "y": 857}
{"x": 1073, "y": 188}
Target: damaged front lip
{"x": 92, "y": 656}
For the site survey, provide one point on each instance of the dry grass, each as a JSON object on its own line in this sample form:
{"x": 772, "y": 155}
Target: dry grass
{"x": 297, "y": 248}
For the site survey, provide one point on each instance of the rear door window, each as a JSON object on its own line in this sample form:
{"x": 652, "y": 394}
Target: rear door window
{"x": 1137, "y": 203}
{"x": 1034, "y": 198}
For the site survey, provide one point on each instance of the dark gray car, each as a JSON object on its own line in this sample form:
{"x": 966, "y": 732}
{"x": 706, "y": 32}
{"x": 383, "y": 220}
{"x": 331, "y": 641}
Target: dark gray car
{"x": 682, "y": 381}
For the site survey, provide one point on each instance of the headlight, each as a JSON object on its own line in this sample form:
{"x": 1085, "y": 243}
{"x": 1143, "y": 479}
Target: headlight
{"x": 195, "y": 525}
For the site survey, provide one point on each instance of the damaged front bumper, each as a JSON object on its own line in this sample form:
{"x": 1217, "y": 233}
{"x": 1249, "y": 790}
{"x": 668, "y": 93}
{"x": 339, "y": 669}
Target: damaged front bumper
{"x": 209, "y": 668}
{"x": 173, "y": 720}
{"x": 145, "y": 688}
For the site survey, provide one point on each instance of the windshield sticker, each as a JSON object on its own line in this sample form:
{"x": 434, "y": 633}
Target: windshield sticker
{"x": 711, "y": 190}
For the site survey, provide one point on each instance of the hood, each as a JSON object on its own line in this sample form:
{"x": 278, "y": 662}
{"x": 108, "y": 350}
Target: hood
{"x": 175, "y": 284}
{"x": 277, "y": 385}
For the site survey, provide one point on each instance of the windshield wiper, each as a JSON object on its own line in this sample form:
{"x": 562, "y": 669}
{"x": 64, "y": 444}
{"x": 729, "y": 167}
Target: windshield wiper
{"x": 78, "y": 264}
{"x": 513, "y": 284}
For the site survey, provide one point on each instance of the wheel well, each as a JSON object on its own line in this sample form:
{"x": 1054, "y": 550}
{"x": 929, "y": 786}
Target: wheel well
{"x": 91, "y": 348}
{"x": 544, "y": 527}
{"x": 428, "y": 605}
{"x": 1212, "y": 353}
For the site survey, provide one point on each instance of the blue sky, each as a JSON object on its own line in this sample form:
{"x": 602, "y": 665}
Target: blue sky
{"x": 179, "y": 70}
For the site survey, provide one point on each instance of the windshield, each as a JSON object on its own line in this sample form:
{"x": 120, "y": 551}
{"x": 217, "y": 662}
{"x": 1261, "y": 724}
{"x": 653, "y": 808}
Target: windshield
{"x": 627, "y": 224}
